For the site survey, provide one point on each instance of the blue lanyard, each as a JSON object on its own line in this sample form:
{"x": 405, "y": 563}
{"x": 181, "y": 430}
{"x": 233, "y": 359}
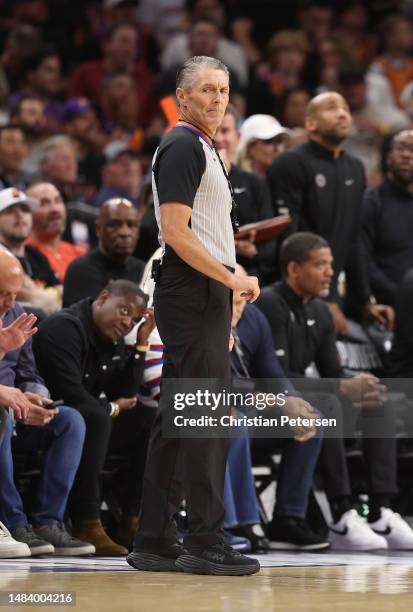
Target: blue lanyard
{"x": 195, "y": 131}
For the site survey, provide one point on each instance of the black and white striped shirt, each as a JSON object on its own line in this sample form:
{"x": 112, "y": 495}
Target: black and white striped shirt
{"x": 186, "y": 169}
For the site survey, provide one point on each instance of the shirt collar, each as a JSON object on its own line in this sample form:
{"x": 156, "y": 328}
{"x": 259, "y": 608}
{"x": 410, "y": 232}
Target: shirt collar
{"x": 323, "y": 152}
{"x": 396, "y": 189}
{"x": 292, "y": 298}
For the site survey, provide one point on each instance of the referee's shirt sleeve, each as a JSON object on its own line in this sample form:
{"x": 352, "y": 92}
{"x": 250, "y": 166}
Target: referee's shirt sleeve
{"x": 178, "y": 170}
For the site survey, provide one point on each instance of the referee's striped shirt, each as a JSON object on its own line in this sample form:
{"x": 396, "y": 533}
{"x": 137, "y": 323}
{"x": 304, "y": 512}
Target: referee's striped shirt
{"x": 186, "y": 169}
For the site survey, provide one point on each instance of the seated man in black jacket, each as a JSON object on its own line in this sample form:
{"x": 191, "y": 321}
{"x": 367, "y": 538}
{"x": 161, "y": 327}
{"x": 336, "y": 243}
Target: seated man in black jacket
{"x": 82, "y": 354}
{"x": 253, "y": 355}
{"x": 117, "y": 229}
{"x": 303, "y": 333}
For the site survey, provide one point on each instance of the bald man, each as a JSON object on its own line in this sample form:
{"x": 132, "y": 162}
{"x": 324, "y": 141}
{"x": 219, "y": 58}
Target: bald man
{"x": 59, "y": 432}
{"x": 117, "y": 229}
{"x": 321, "y": 187}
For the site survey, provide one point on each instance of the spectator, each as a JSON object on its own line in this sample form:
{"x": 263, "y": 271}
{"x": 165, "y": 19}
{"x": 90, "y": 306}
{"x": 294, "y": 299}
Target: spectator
{"x": 253, "y": 202}
{"x": 262, "y": 139}
{"x": 59, "y": 432}
{"x": 119, "y": 104}
{"x": 353, "y": 24}
{"x": 121, "y": 174}
{"x": 117, "y": 229}
{"x": 253, "y": 355}
{"x": 321, "y": 187}
{"x": 20, "y": 44}
{"x": 22, "y": 329}
{"x": 13, "y": 149}
{"x": 315, "y": 19}
{"x": 303, "y": 333}
{"x": 40, "y": 286}
{"x": 371, "y": 122}
{"x": 83, "y": 356}
{"x": 49, "y": 221}
{"x": 162, "y": 18}
{"x": 81, "y": 125}
{"x": 29, "y": 113}
{"x": 293, "y": 107}
{"x": 42, "y": 78}
{"x": 386, "y": 221}
{"x": 119, "y": 55}
{"x": 58, "y": 164}
{"x": 287, "y": 54}
{"x": 395, "y": 63}
{"x": 205, "y": 38}
{"x": 323, "y": 66}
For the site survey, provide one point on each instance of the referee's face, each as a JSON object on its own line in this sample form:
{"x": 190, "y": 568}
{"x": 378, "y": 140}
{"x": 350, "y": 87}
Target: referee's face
{"x": 205, "y": 102}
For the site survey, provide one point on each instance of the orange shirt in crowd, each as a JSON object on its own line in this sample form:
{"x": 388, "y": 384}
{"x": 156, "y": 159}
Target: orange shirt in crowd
{"x": 398, "y": 73}
{"x": 61, "y": 258}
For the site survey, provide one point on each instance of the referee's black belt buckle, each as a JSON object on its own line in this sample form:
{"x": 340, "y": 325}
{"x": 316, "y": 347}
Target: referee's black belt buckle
{"x": 156, "y": 270}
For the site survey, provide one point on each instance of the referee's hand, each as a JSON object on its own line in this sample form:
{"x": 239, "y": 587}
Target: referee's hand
{"x": 246, "y": 286}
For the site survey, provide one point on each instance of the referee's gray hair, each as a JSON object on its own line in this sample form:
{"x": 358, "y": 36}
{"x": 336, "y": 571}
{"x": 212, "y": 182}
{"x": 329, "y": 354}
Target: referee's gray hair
{"x": 186, "y": 73}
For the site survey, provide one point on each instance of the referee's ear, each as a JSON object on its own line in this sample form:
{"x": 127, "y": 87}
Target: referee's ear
{"x": 181, "y": 97}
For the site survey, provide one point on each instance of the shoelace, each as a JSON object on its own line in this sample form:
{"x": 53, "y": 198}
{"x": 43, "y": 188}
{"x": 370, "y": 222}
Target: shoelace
{"x": 228, "y": 548}
{"x": 63, "y": 533}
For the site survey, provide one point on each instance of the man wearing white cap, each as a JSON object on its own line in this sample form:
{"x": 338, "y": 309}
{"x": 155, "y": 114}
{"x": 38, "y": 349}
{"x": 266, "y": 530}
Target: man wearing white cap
{"x": 262, "y": 139}
{"x": 253, "y": 200}
{"x": 41, "y": 288}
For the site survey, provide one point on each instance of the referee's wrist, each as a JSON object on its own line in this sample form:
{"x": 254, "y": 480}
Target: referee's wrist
{"x": 229, "y": 279}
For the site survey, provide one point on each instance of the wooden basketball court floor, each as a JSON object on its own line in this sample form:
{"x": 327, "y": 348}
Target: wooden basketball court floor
{"x": 287, "y": 581}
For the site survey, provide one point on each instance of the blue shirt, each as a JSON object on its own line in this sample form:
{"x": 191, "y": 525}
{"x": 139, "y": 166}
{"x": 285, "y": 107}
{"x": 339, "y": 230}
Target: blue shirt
{"x": 258, "y": 350}
{"x": 18, "y": 368}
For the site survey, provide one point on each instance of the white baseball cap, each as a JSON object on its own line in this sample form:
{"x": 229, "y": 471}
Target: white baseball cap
{"x": 13, "y": 195}
{"x": 260, "y": 127}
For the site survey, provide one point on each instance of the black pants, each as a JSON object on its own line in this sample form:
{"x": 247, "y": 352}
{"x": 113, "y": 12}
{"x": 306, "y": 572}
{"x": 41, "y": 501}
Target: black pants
{"x": 127, "y": 435}
{"x": 193, "y": 315}
{"x": 379, "y": 453}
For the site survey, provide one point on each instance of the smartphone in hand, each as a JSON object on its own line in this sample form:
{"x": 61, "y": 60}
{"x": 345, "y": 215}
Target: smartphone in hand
{"x": 55, "y": 404}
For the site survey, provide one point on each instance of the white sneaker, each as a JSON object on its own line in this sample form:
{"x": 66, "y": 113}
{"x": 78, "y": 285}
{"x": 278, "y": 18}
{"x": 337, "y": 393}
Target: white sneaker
{"x": 11, "y": 548}
{"x": 394, "y": 529}
{"x": 352, "y": 532}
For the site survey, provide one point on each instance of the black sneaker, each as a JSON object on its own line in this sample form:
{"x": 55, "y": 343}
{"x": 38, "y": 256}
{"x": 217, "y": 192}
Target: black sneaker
{"x": 217, "y": 560}
{"x": 255, "y": 534}
{"x": 37, "y": 545}
{"x": 64, "y": 543}
{"x": 156, "y": 558}
{"x": 292, "y": 533}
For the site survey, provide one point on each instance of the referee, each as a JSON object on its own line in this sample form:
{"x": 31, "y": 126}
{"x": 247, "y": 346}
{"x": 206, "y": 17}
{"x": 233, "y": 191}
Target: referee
{"x": 192, "y": 301}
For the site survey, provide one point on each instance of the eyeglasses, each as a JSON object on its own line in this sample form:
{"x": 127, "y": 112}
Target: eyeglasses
{"x": 402, "y": 148}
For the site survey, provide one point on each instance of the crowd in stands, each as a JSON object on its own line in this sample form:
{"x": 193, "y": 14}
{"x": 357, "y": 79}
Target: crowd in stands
{"x": 320, "y": 128}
